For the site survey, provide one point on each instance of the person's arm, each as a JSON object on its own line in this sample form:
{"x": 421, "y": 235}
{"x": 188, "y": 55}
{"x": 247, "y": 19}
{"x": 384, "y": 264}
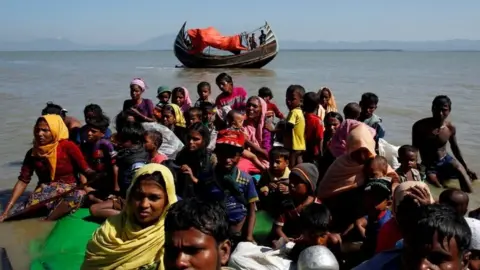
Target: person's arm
{"x": 257, "y": 149}
{"x": 116, "y": 186}
{"x": 416, "y": 140}
{"x": 251, "y": 219}
{"x": 277, "y": 112}
{"x": 279, "y": 231}
{"x": 455, "y": 149}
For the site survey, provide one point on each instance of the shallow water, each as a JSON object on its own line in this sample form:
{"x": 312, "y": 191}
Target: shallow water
{"x": 406, "y": 83}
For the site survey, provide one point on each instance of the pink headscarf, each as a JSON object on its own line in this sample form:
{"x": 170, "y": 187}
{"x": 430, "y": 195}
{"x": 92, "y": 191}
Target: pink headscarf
{"x": 338, "y": 144}
{"x": 140, "y": 82}
{"x": 256, "y": 132}
{"x": 188, "y": 102}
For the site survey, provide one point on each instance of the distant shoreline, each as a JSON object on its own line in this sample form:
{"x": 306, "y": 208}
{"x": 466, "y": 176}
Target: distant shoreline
{"x": 281, "y": 50}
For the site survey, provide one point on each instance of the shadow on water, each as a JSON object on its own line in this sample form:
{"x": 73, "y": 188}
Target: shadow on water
{"x": 205, "y": 74}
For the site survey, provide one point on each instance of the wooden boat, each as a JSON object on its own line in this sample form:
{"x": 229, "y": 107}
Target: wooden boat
{"x": 241, "y": 56}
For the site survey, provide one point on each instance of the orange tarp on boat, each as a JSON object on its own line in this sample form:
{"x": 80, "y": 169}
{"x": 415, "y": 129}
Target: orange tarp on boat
{"x": 202, "y": 38}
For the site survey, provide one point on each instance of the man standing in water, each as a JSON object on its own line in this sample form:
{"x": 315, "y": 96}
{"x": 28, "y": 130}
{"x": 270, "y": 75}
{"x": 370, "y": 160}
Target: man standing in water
{"x": 430, "y": 135}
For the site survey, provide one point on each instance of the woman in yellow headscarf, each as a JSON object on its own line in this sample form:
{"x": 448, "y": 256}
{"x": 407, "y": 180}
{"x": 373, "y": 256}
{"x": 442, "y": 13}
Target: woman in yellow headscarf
{"x": 327, "y": 102}
{"x": 135, "y": 238}
{"x": 56, "y": 161}
{"x": 173, "y": 119}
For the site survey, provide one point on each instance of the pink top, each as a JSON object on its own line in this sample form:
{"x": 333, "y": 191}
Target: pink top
{"x": 237, "y": 100}
{"x": 158, "y": 158}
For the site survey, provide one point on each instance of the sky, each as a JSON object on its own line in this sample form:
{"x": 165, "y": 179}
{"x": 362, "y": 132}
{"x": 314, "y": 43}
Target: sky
{"x": 122, "y": 22}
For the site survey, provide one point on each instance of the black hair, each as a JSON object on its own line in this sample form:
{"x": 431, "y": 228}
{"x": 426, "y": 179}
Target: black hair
{"x": 94, "y": 108}
{"x": 168, "y": 108}
{"x": 53, "y": 108}
{"x": 440, "y": 101}
{"x": 208, "y": 217}
{"x": 404, "y": 149}
{"x": 369, "y": 98}
{"x": 156, "y": 136}
{"x": 202, "y": 85}
{"x": 352, "y": 110}
{"x": 231, "y": 115}
{"x": 101, "y": 122}
{"x": 265, "y": 92}
{"x": 206, "y": 106}
{"x": 203, "y": 130}
{"x": 335, "y": 115}
{"x": 133, "y": 132}
{"x": 445, "y": 222}
{"x": 195, "y": 111}
{"x": 296, "y": 88}
{"x": 156, "y": 176}
{"x": 279, "y": 151}
{"x": 316, "y": 218}
{"x": 122, "y": 119}
{"x": 224, "y": 77}
{"x": 228, "y": 149}
{"x": 311, "y": 100}
{"x": 446, "y": 197}
{"x": 175, "y": 92}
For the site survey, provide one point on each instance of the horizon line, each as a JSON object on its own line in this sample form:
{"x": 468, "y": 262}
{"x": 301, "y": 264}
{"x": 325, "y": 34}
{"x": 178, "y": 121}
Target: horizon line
{"x": 291, "y": 50}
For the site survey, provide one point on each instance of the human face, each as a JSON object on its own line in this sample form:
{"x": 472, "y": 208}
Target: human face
{"x": 157, "y": 113}
{"x": 210, "y": 116}
{"x": 298, "y": 188}
{"x": 331, "y": 125}
{"x": 194, "y": 118}
{"x": 253, "y": 108}
{"x": 226, "y": 159}
{"x": 293, "y": 100}
{"x": 148, "y": 201}
{"x": 194, "y": 250}
{"x": 474, "y": 262}
{"x": 225, "y": 87}
{"x": 168, "y": 118}
{"x": 440, "y": 254}
{"x": 135, "y": 92}
{"x": 179, "y": 98}
{"x": 441, "y": 113}
{"x": 94, "y": 134}
{"x": 238, "y": 120}
{"x": 368, "y": 109}
{"x": 43, "y": 135}
{"x": 409, "y": 160}
{"x": 89, "y": 116}
{"x": 204, "y": 92}
{"x": 376, "y": 169}
{"x": 278, "y": 165}
{"x": 324, "y": 98}
{"x": 195, "y": 141}
{"x": 150, "y": 145}
{"x": 164, "y": 97}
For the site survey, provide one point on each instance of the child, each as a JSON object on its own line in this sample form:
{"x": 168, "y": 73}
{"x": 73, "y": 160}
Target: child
{"x": 313, "y": 128}
{"x": 235, "y": 121}
{"x": 303, "y": 182}
{"x": 369, "y": 103}
{"x": 272, "y": 109}
{"x": 194, "y": 115}
{"x": 234, "y": 187}
{"x": 407, "y": 156}
{"x": 352, "y": 111}
{"x": 153, "y": 141}
{"x": 174, "y": 120}
{"x": 204, "y": 91}
{"x": 90, "y": 112}
{"x": 235, "y": 97}
{"x": 294, "y": 139}
{"x": 100, "y": 156}
{"x": 456, "y": 199}
{"x": 163, "y": 95}
{"x": 181, "y": 97}
{"x": 273, "y": 184}
{"x": 209, "y": 114}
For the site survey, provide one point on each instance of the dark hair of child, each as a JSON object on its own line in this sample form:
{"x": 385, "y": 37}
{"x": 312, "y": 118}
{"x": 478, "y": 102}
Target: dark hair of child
{"x": 440, "y": 101}
{"x": 231, "y": 115}
{"x": 53, "y": 108}
{"x": 315, "y": 218}
{"x": 206, "y": 106}
{"x": 352, "y": 111}
{"x": 177, "y": 90}
{"x": 194, "y": 111}
{"x": 156, "y": 137}
{"x": 311, "y": 100}
{"x": 202, "y": 85}
{"x": 279, "y": 151}
{"x": 335, "y": 115}
{"x": 455, "y": 198}
{"x": 295, "y": 88}
{"x": 122, "y": 119}
{"x": 93, "y": 108}
{"x": 405, "y": 149}
{"x": 369, "y": 98}
{"x": 101, "y": 122}
{"x": 265, "y": 92}
{"x": 223, "y": 77}
{"x": 133, "y": 132}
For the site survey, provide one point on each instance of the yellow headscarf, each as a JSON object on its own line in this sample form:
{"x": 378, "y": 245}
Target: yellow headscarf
{"x": 121, "y": 244}
{"x": 179, "y": 118}
{"x": 59, "y": 132}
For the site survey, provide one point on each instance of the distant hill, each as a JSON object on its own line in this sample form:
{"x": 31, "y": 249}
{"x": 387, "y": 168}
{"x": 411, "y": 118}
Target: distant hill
{"x": 165, "y": 42}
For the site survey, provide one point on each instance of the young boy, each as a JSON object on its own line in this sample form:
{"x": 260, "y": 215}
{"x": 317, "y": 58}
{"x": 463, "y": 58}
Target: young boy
{"x": 456, "y": 199}
{"x": 236, "y": 188}
{"x": 153, "y": 141}
{"x": 407, "y": 156}
{"x": 194, "y": 115}
{"x": 163, "y": 95}
{"x": 90, "y": 112}
{"x": 209, "y": 114}
{"x": 100, "y": 155}
{"x": 352, "y": 111}
{"x": 369, "y": 103}
{"x": 294, "y": 139}
{"x": 313, "y": 128}
{"x": 273, "y": 184}
{"x": 204, "y": 91}
{"x": 272, "y": 109}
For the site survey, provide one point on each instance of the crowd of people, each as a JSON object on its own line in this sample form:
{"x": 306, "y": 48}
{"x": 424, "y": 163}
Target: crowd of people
{"x": 179, "y": 183}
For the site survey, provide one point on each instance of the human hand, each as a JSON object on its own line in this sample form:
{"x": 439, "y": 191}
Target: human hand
{"x": 283, "y": 188}
{"x": 420, "y": 195}
{"x": 472, "y": 175}
{"x": 88, "y": 189}
{"x": 3, "y": 216}
{"x": 272, "y": 186}
{"x": 251, "y": 239}
{"x": 186, "y": 170}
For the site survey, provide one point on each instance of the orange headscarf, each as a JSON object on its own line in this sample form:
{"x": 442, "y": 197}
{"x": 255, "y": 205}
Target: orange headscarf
{"x": 59, "y": 132}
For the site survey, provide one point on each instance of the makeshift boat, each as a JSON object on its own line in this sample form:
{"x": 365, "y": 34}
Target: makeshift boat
{"x": 192, "y": 48}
